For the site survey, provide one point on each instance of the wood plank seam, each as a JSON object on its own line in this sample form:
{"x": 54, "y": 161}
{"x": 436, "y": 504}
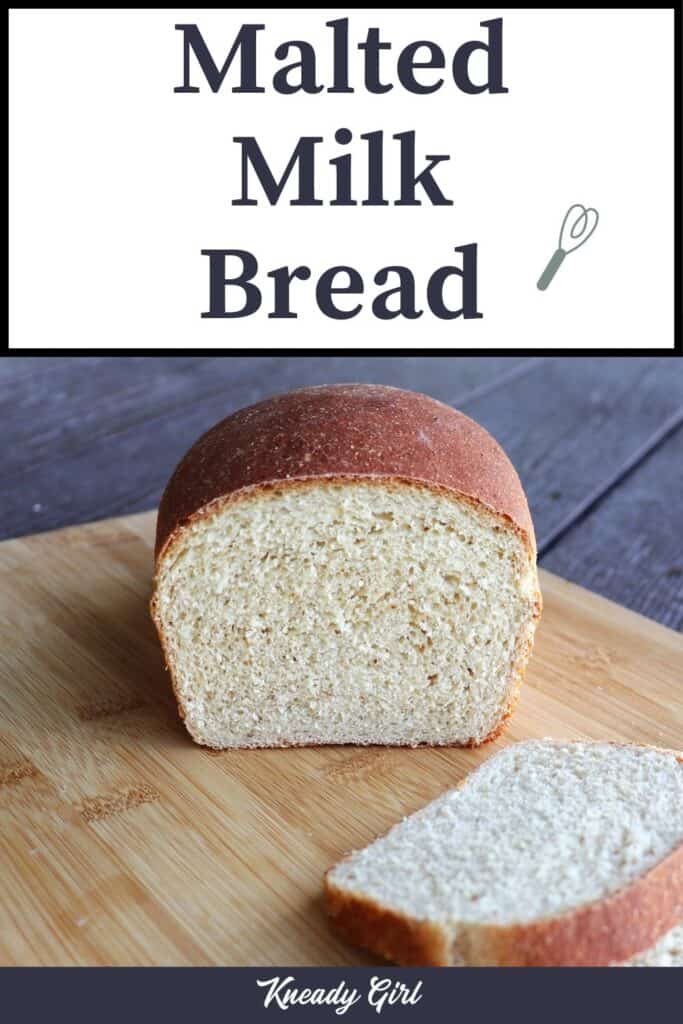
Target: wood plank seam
{"x": 127, "y": 427}
{"x": 622, "y": 472}
{"x": 507, "y": 377}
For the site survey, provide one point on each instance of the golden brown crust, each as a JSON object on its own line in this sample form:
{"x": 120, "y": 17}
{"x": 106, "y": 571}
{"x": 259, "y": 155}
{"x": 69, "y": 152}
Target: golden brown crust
{"x": 400, "y": 939}
{"x": 608, "y": 931}
{"x": 343, "y": 431}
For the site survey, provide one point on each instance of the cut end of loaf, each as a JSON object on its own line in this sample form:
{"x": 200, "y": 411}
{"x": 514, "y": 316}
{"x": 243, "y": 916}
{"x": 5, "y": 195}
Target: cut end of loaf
{"x": 359, "y": 611}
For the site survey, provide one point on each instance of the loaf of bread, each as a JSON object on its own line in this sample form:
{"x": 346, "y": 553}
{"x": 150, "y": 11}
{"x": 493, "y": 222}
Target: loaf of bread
{"x": 347, "y": 564}
{"x": 549, "y": 854}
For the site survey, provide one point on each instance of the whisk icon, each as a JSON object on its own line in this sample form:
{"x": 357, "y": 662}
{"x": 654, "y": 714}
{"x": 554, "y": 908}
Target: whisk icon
{"x": 578, "y": 225}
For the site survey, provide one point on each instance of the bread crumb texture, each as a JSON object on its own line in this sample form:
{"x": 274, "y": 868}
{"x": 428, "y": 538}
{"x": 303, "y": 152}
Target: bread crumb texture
{"x": 368, "y": 612}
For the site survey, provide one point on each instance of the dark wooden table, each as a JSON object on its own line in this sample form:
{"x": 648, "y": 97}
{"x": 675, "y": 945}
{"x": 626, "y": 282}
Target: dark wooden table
{"x": 598, "y": 443}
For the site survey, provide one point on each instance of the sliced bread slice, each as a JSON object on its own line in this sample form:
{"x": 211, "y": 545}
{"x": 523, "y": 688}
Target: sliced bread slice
{"x": 550, "y": 854}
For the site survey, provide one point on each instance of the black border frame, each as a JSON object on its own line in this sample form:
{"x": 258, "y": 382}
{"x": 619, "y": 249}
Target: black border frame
{"x": 676, "y": 349}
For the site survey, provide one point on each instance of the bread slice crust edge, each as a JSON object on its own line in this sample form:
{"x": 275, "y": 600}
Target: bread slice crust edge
{"x": 608, "y": 931}
{"x": 601, "y": 933}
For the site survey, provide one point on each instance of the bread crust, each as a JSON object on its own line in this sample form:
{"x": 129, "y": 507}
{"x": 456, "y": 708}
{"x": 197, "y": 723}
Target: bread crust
{"x": 343, "y": 431}
{"x": 604, "y": 932}
{"x": 611, "y": 930}
{"x": 400, "y": 939}
{"x": 608, "y": 931}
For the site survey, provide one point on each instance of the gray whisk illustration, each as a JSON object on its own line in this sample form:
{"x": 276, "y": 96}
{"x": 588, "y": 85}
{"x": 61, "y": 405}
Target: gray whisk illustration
{"x": 578, "y": 225}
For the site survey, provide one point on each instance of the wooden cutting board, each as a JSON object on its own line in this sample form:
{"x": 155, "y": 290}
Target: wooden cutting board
{"x": 121, "y": 842}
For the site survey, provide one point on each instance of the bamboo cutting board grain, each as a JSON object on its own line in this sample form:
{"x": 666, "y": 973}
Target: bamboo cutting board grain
{"x": 121, "y": 842}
